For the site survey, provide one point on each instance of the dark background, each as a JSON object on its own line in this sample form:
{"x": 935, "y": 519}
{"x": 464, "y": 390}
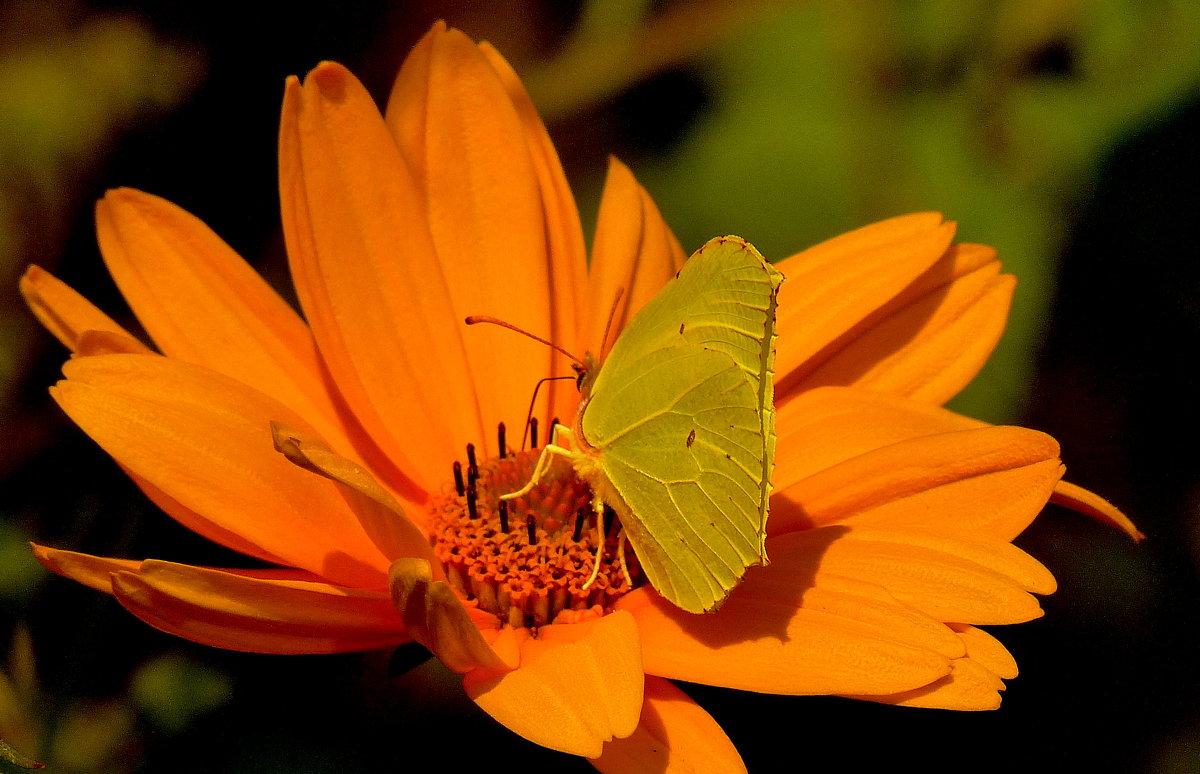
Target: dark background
{"x": 1109, "y": 676}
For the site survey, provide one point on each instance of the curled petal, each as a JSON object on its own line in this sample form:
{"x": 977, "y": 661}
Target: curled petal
{"x": 837, "y": 284}
{"x": 258, "y": 611}
{"x": 993, "y": 480}
{"x": 578, "y": 686}
{"x": 63, "y": 312}
{"x": 381, "y": 515}
{"x": 436, "y": 618}
{"x": 1079, "y": 499}
{"x": 93, "y": 571}
{"x": 673, "y": 735}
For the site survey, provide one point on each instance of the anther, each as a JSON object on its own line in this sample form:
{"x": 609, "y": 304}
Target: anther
{"x": 580, "y": 519}
{"x": 531, "y": 526}
{"x": 471, "y": 455}
{"x": 472, "y": 508}
{"x": 533, "y": 428}
{"x": 458, "y": 478}
{"x": 503, "y": 509}
{"x": 500, "y": 433}
{"x": 472, "y": 476}
{"x": 554, "y": 423}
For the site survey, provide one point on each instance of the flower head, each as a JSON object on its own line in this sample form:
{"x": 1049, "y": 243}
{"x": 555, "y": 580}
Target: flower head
{"x": 327, "y": 447}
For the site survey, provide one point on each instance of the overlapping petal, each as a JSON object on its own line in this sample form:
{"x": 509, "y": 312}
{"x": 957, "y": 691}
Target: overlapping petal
{"x": 204, "y": 440}
{"x": 63, "y": 312}
{"x": 673, "y": 735}
{"x": 578, "y": 685}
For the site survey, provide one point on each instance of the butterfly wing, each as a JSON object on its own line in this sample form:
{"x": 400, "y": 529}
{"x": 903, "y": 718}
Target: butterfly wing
{"x": 681, "y": 421}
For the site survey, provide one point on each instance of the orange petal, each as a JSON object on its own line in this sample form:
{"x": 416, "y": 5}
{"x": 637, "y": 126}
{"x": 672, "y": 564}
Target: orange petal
{"x": 987, "y": 651}
{"x": 92, "y": 571}
{"x": 204, "y": 440}
{"x": 820, "y": 428}
{"x": 1079, "y": 499}
{"x": 108, "y": 343}
{"x": 927, "y": 344}
{"x": 565, "y": 234}
{"x": 202, "y": 303}
{"x": 635, "y": 253}
{"x": 994, "y": 480}
{"x": 437, "y": 618}
{"x": 235, "y": 610}
{"x": 949, "y": 578}
{"x": 63, "y": 312}
{"x": 674, "y": 735}
{"x": 837, "y": 284}
{"x": 779, "y": 633}
{"x": 368, "y": 276}
{"x": 468, "y": 149}
{"x": 381, "y": 515}
{"x": 579, "y": 685}
{"x": 969, "y": 686}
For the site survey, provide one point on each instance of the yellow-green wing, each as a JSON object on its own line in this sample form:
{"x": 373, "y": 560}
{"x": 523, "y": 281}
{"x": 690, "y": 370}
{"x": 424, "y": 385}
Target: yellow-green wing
{"x": 681, "y": 419}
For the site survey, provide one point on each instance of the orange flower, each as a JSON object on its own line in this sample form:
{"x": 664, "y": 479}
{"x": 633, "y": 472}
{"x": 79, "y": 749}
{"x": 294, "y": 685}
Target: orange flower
{"x": 325, "y": 449}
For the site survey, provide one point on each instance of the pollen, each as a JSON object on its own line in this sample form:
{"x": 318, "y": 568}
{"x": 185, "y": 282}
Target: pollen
{"x": 529, "y": 559}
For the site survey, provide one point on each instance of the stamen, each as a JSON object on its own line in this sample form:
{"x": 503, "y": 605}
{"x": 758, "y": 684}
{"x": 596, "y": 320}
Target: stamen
{"x": 471, "y": 463}
{"x": 533, "y": 428}
{"x": 500, "y": 440}
{"x": 531, "y": 525}
{"x": 458, "y": 478}
{"x": 502, "y": 508}
{"x": 472, "y": 503}
{"x": 580, "y": 518}
{"x": 554, "y": 423}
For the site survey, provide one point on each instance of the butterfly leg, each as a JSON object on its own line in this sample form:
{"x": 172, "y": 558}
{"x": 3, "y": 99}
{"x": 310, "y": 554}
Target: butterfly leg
{"x": 544, "y": 459}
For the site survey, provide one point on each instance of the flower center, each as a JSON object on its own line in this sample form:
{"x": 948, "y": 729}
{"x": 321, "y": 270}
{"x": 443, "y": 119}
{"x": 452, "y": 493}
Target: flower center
{"x": 528, "y": 559}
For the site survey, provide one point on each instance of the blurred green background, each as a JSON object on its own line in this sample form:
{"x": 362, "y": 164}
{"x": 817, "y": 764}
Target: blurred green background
{"x": 1063, "y": 132}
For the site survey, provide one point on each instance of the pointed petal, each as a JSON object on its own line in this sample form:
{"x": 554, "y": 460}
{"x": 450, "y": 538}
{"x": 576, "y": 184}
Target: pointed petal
{"x": 381, "y": 515}
{"x": 994, "y": 480}
{"x": 437, "y": 618}
{"x": 467, "y": 147}
{"x": 969, "y": 686}
{"x": 1079, "y": 499}
{"x": 235, "y": 610}
{"x": 579, "y": 685}
{"x": 987, "y": 651}
{"x": 93, "y": 571}
{"x": 829, "y": 425}
{"x": 368, "y": 276}
{"x": 674, "y": 735}
{"x": 929, "y": 342}
{"x": 204, "y": 440}
{"x": 202, "y": 303}
{"x": 634, "y": 252}
{"x": 63, "y": 312}
{"x": 789, "y": 629}
{"x": 835, "y": 285}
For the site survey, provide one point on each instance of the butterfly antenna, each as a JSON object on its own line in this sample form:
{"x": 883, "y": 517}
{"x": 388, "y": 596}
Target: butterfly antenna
{"x": 612, "y": 314}
{"x": 475, "y": 319}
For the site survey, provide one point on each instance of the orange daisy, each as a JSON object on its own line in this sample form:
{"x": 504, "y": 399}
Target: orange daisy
{"x": 335, "y": 450}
